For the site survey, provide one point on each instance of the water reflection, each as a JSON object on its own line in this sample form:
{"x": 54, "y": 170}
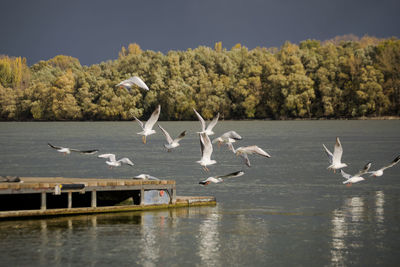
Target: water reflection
{"x": 209, "y": 243}
{"x": 348, "y": 225}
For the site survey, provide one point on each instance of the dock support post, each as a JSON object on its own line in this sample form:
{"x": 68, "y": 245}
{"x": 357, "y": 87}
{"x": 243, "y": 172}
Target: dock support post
{"x": 43, "y": 202}
{"x": 142, "y": 196}
{"x": 94, "y": 199}
{"x": 69, "y": 199}
{"x": 173, "y": 197}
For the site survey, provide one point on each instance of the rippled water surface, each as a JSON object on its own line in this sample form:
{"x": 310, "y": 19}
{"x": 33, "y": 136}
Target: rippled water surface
{"x": 287, "y": 210}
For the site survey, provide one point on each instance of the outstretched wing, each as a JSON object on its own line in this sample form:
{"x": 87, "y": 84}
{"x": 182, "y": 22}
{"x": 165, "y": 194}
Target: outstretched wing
{"x": 212, "y": 124}
{"x": 140, "y": 123}
{"x": 337, "y": 152}
{"x": 329, "y": 154}
{"x": 202, "y": 122}
{"x": 180, "y": 137}
{"x": 136, "y": 80}
{"x": 256, "y": 150}
{"x": 166, "y": 134}
{"x": 246, "y": 159}
{"x": 111, "y": 157}
{"x": 55, "y": 147}
{"x": 153, "y": 118}
{"x": 92, "y": 151}
{"x": 364, "y": 170}
{"x": 126, "y": 161}
{"x": 394, "y": 162}
{"x": 345, "y": 175}
{"x": 232, "y": 134}
{"x": 206, "y": 146}
{"x": 231, "y": 175}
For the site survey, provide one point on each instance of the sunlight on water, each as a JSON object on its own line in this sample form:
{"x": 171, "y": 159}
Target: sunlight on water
{"x": 287, "y": 210}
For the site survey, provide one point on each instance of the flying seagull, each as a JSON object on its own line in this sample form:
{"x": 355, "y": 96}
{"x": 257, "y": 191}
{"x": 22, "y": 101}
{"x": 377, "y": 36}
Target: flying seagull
{"x": 244, "y": 151}
{"x": 219, "y": 178}
{"x": 148, "y": 126}
{"x": 210, "y": 126}
{"x": 112, "y": 162}
{"x": 352, "y": 179}
{"x": 206, "y": 151}
{"x": 228, "y": 137}
{"x": 336, "y": 157}
{"x": 144, "y": 176}
{"x": 67, "y": 150}
{"x": 380, "y": 171}
{"x": 131, "y": 81}
{"x": 172, "y": 143}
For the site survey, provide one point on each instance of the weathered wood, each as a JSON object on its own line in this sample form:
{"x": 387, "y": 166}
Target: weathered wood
{"x": 70, "y": 200}
{"x": 142, "y": 196}
{"x": 43, "y": 201}
{"x": 94, "y": 199}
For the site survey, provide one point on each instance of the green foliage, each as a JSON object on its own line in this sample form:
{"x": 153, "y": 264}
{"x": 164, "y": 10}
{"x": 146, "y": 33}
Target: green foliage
{"x": 343, "y": 77}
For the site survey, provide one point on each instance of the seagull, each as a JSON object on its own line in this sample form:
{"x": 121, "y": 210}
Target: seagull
{"x": 172, "y": 143}
{"x": 380, "y": 171}
{"x": 336, "y": 157}
{"x": 67, "y": 150}
{"x": 244, "y": 151}
{"x": 210, "y": 126}
{"x": 131, "y": 81}
{"x": 218, "y": 179}
{"x": 352, "y": 179}
{"x": 144, "y": 176}
{"x": 147, "y": 127}
{"x": 206, "y": 151}
{"x": 228, "y": 137}
{"x": 115, "y": 163}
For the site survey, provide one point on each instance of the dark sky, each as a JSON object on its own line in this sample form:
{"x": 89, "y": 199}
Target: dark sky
{"x": 95, "y": 31}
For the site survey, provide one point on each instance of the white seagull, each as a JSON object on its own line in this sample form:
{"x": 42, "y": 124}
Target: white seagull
{"x": 144, "y": 176}
{"x": 172, "y": 143}
{"x": 244, "y": 151}
{"x": 336, "y": 157}
{"x": 380, "y": 171}
{"x": 206, "y": 151}
{"x": 352, "y": 179}
{"x": 218, "y": 179}
{"x": 131, "y": 81}
{"x": 112, "y": 162}
{"x": 228, "y": 137}
{"x": 67, "y": 150}
{"x": 148, "y": 126}
{"x": 210, "y": 126}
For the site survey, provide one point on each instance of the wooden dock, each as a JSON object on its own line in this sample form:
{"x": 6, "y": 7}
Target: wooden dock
{"x": 56, "y": 196}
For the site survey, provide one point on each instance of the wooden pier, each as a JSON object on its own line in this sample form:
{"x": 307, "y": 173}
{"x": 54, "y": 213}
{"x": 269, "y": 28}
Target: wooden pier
{"x": 56, "y": 196}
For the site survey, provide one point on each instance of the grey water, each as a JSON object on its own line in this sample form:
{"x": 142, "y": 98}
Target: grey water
{"x": 288, "y": 210}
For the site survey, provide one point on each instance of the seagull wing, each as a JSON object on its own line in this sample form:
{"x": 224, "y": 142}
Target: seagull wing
{"x": 246, "y": 159}
{"x": 394, "y": 162}
{"x": 232, "y": 135}
{"x": 180, "y": 137}
{"x": 166, "y": 134}
{"x": 140, "y": 123}
{"x": 202, "y": 122}
{"x": 329, "y": 154}
{"x": 136, "y": 80}
{"x": 231, "y": 175}
{"x": 337, "y": 152}
{"x": 153, "y": 118}
{"x": 92, "y": 151}
{"x": 111, "y": 157}
{"x": 364, "y": 170}
{"x": 212, "y": 124}
{"x": 256, "y": 150}
{"x": 207, "y": 148}
{"x": 345, "y": 175}
{"x": 55, "y": 147}
{"x": 126, "y": 161}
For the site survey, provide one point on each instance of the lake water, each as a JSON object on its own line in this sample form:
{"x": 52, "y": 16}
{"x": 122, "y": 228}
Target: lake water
{"x": 288, "y": 210}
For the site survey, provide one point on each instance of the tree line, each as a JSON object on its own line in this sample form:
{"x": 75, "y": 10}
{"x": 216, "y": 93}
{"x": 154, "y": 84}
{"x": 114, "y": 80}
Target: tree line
{"x": 345, "y": 77}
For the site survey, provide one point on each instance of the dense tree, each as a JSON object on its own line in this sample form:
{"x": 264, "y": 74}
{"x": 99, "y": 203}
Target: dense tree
{"x": 342, "y": 77}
